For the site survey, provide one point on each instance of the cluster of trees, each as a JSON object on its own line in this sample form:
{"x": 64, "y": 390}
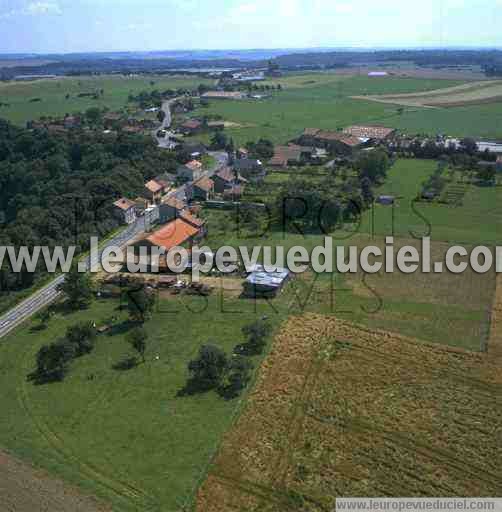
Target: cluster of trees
{"x": 312, "y": 206}
{"x": 435, "y": 184}
{"x": 153, "y": 98}
{"x": 53, "y": 361}
{"x": 220, "y": 141}
{"x": 58, "y": 190}
{"x": 263, "y": 149}
{"x": 213, "y": 369}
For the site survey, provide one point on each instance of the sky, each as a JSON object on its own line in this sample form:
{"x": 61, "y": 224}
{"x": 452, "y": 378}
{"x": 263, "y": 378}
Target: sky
{"x": 66, "y": 26}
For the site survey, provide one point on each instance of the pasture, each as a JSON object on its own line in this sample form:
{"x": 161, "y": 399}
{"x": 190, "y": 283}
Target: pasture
{"x": 475, "y": 221}
{"x": 327, "y": 101}
{"x": 123, "y": 436}
{"x": 53, "y": 92}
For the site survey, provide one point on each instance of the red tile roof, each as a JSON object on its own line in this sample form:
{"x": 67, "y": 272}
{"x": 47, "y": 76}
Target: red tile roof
{"x": 204, "y": 183}
{"x": 192, "y": 124}
{"x": 173, "y": 234}
{"x": 329, "y": 136}
{"x": 153, "y": 186}
{"x": 194, "y": 165}
{"x": 194, "y": 221}
{"x": 175, "y": 203}
{"x": 124, "y": 204}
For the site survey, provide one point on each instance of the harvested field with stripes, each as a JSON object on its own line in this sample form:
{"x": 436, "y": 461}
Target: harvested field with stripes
{"x": 339, "y": 410}
{"x": 474, "y": 93}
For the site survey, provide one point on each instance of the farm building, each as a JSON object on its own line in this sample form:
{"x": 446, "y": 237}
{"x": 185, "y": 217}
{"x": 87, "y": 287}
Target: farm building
{"x": 262, "y": 283}
{"x": 337, "y": 142}
{"x": 367, "y": 133}
{"x": 191, "y": 171}
{"x": 226, "y": 179}
{"x": 223, "y": 95}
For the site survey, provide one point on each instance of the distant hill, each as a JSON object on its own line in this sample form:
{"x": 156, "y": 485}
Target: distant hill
{"x": 201, "y": 60}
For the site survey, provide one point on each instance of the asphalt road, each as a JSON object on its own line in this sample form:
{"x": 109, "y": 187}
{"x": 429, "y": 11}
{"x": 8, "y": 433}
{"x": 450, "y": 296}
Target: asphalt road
{"x": 49, "y": 293}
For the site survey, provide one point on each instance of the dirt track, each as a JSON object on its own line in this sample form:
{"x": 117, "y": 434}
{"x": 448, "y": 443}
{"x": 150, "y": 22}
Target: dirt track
{"x": 25, "y": 489}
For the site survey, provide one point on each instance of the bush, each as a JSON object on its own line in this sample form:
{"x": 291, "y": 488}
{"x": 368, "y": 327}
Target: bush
{"x": 257, "y": 334}
{"x": 236, "y": 377}
{"x": 83, "y": 337}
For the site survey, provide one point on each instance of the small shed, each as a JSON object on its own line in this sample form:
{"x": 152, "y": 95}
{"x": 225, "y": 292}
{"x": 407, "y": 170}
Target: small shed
{"x": 262, "y": 283}
{"x": 386, "y": 200}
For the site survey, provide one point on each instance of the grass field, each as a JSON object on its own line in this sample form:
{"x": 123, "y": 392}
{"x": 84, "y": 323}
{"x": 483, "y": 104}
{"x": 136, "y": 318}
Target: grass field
{"x": 461, "y": 95}
{"x": 53, "y": 94}
{"x": 124, "y": 436}
{"x": 476, "y": 221}
{"x": 325, "y": 101}
{"x": 342, "y": 411}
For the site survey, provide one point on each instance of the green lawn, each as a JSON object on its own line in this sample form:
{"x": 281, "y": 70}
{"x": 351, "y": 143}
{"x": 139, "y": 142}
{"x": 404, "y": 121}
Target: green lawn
{"x": 53, "y": 94}
{"x": 477, "y": 221}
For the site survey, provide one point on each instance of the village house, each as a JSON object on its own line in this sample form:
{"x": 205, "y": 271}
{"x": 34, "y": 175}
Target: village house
{"x": 112, "y": 120}
{"x": 166, "y": 180}
{"x": 201, "y": 189}
{"x": 170, "y": 209}
{"x": 226, "y": 179}
{"x": 250, "y": 168}
{"x": 194, "y": 149}
{"x": 154, "y": 191}
{"x": 242, "y": 153}
{"x": 125, "y": 210}
{"x": 291, "y": 155}
{"x": 177, "y": 233}
{"x": 141, "y": 204}
{"x": 191, "y": 171}
{"x": 191, "y": 127}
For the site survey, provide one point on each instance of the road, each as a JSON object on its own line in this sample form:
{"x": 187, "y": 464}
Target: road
{"x": 163, "y": 142}
{"x": 49, "y": 292}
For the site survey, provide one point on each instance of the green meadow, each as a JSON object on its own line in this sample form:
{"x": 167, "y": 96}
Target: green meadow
{"x": 52, "y": 94}
{"x": 324, "y": 101}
